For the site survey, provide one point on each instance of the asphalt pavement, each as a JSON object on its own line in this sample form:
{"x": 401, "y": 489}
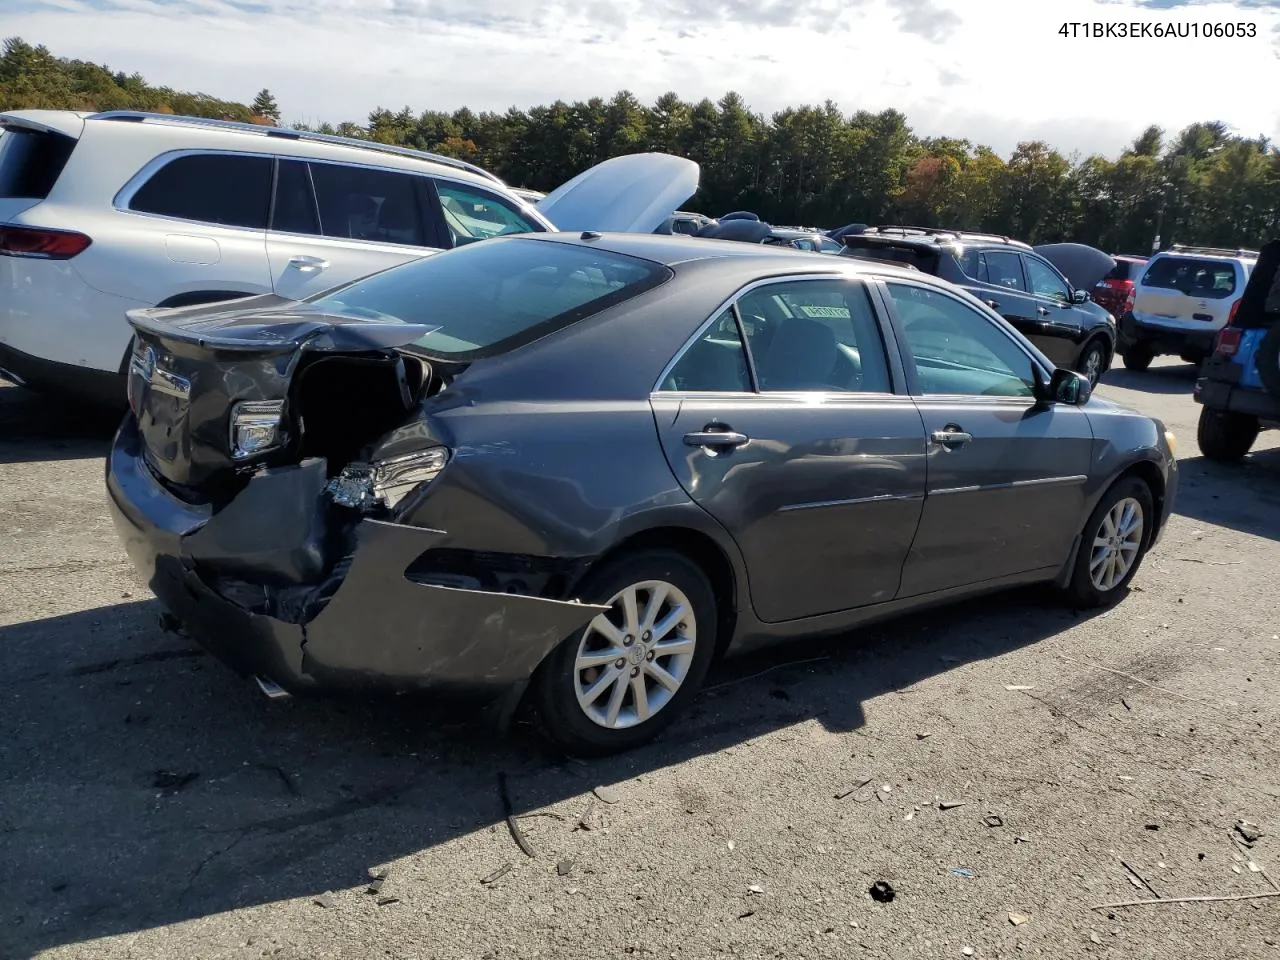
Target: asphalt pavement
{"x": 1002, "y": 767}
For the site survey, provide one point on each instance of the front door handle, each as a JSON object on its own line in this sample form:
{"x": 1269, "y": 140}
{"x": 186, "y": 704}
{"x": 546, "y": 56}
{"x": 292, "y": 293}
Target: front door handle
{"x": 714, "y": 440}
{"x": 951, "y": 436}
{"x": 1043, "y": 311}
{"x": 993, "y": 304}
{"x": 309, "y": 264}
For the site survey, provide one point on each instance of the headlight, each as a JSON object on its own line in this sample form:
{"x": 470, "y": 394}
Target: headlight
{"x": 1172, "y": 441}
{"x": 384, "y": 483}
{"x": 255, "y": 427}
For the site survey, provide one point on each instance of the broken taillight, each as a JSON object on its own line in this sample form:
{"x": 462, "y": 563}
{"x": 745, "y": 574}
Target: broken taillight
{"x": 384, "y": 483}
{"x": 1227, "y": 342}
{"x": 41, "y": 244}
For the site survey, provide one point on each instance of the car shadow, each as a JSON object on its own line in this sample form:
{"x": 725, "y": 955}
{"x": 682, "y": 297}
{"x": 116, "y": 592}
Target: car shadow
{"x": 39, "y": 427}
{"x": 1169, "y": 378}
{"x": 145, "y": 784}
{"x": 1244, "y": 496}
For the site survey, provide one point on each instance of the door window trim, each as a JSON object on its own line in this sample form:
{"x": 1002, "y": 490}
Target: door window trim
{"x": 913, "y": 381}
{"x": 888, "y": 343}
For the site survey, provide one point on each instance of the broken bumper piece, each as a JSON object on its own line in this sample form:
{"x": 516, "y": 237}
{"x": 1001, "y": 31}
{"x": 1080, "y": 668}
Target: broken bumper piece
{"x": 366, "y": 628}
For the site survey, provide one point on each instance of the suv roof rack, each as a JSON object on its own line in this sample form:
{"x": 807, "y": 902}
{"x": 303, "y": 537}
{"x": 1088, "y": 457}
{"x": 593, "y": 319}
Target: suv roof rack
{"x": 1211, "y": 251}
{"x": 284, "y": 133}
{"x": 946, "y": 232}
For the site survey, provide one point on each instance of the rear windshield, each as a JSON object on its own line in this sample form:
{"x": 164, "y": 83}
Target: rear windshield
{"x": 920, "y": 258}
{"x": 1210, "y": 279}
{"x": 1124, "y": 270}
{"x": 487, "y": 298}
{"x": 31, "y": 162}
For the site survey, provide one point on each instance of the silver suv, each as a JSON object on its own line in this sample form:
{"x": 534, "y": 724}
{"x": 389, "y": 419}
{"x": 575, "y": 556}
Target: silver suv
{"x": 1184, "y": 296}
{"x": 105, "y": 213}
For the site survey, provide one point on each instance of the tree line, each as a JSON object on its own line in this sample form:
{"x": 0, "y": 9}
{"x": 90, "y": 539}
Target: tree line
{"x": 809, "y": 165}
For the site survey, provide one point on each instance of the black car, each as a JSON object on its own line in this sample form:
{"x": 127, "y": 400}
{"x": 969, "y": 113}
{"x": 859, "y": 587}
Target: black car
{"x": 569, "y": 470}
{"x": 738, "y": 227}
{"x": 1023, "y": 286}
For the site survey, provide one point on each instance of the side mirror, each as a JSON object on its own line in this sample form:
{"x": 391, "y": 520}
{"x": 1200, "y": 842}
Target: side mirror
{"x": 1065, "y": 386}
{"x": 1070, "y": 387}
{"x": 1079, "y": 296}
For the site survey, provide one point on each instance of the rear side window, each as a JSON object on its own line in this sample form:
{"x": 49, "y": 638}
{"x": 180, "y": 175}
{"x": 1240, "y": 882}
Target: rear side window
{"x": 220, "y": 188}
{"x": 487, "y": 298}
{"x": 359, "y": 203}
{"x": 1003, "y": 269}
{"x": 295, "y": 209}
{"x": 31, "y": 162}
{"x": 1207, "y": 279}
{"x": 918, "y": 257}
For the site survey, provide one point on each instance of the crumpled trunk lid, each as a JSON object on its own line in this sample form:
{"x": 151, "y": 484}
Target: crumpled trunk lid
{"x": 191, "y": 366}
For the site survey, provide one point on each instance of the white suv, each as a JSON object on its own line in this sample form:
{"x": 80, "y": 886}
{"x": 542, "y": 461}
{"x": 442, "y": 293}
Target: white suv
{"x": 1183, "y": 297}
{"x": 108, "y": 212}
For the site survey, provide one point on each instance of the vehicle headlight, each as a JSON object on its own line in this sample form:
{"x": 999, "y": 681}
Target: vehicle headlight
{"x": 255, "y": 427}
{"x": 1172, "y": 441}
{"x": 384, "y": 483}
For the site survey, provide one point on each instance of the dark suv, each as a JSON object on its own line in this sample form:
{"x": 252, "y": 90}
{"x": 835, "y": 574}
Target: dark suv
{"x": 1014, "y": 280}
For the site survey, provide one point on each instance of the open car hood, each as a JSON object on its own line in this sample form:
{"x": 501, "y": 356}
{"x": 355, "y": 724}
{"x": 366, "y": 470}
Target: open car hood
{"x": 1082, "y": 265}
{"x": 631, "y": 194}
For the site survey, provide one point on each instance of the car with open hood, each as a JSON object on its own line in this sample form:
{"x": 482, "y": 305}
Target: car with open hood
{"x": 1239, "y": 385}
{"x": 107, "y": 212}
{"x": 567, "y": 471}
{"x": 1043, "y": 291}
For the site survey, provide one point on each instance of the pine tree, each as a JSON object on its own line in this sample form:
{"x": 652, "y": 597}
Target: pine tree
{"x": 264, "y": 105}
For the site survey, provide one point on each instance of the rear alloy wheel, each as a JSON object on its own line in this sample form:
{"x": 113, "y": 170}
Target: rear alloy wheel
{"x": 1113, "y": 543}
{"x": 1224, "y": 436}
{"x": 1138, "y": 357}
{"x": 632, "y": 669}
{"x": 1092, "y": 362}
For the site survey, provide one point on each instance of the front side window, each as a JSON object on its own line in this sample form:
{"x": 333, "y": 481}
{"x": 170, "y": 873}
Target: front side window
{"x": 958, "y": 351}
{"x": 360, "y": 203}
{"x": 486, "y": 298}
{"x": 814, "y": 335}
{"x": 714, "y": 363}
{"x": 220, "y": 188}
{"x": 1045, "y": 282}
{"x": 474, "y": 215}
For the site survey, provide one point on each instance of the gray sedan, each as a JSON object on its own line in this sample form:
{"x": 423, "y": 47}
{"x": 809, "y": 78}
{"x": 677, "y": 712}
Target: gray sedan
{"x": 565, "y": 472}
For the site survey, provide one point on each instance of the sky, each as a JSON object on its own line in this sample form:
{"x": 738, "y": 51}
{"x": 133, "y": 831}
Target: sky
{"x": 992, "y": 71}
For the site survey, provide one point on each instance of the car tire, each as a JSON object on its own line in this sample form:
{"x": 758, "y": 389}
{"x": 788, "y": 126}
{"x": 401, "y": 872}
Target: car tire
{"x": 1138, "y": 357}
{"x": 1093, "y": 583}
{"x": 1092, "y": 361}
{"x": 1225, "y": 436}
{"x": 1267, "y": 360}
{"x": 562, "y": 691}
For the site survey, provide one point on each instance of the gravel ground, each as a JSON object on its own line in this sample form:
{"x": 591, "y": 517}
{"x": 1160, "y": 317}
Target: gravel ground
{"x": 1144, "y": 734}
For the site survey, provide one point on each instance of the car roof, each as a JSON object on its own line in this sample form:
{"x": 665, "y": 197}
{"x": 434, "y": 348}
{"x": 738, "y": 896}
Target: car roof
{"x": 321, "y": 144}
{"x": 672, "y": 250}
{"x": 1209, "y": 253}
{"x": 932, "y": 236}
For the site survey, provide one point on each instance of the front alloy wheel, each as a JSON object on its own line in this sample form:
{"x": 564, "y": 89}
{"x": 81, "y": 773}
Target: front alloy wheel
{"x": 1092, "y": 362}
{"x": 1112, "y": 544}
{"x": 618, "y": 681}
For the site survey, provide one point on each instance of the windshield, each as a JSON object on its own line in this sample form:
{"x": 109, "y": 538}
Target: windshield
{"x": 486, "y": 298}
{"x": 1208, "y": 279}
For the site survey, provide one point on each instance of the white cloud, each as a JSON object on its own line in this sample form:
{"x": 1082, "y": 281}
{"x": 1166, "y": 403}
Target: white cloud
{"x": 995, "y": 72}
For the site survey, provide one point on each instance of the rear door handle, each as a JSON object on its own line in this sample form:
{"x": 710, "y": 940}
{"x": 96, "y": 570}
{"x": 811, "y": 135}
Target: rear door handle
{"x": 309, "y": 264}
{"x": 993, "y": 304}
{"x": 714, "y": 439}
{"x": 951, "y": 437}
{"x": 1043, "y": 311}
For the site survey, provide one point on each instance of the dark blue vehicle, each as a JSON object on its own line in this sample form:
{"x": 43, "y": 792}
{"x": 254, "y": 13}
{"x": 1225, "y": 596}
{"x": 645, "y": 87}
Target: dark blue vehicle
{"x": 1239, "y": 385}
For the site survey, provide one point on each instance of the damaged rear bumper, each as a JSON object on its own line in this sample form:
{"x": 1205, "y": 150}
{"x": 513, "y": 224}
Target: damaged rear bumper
{"x": 253, "y": 584}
